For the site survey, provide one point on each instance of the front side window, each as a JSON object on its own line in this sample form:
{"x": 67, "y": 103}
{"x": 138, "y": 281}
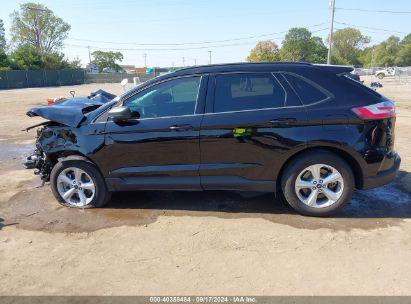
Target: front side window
{"x": 172, "y": 98}
{"x": 247, "y": 91}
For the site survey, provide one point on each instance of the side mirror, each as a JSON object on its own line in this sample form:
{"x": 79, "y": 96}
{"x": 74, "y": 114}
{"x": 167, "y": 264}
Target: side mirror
{"x": 119, "y": 114}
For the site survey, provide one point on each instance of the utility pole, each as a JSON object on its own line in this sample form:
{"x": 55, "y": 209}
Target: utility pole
{"x": 184, "y": 62}
{"x": 195, "y": 61}
{"x": 372, "y": 62}
{"x": 145, "y": 59}
{"x": 330, "y": 38}
{"x": 89, "y": 54}
{"x": 209, "y": 62}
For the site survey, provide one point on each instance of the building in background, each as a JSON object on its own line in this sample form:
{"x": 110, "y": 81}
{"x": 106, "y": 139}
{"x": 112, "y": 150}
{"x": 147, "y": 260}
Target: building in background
{"x": 91, "y": 68}
{"x": 128, "y": 68}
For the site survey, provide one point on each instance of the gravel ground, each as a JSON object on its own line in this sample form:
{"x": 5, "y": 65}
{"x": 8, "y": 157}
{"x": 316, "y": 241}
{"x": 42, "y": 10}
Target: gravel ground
{"x": 211, "y": 243}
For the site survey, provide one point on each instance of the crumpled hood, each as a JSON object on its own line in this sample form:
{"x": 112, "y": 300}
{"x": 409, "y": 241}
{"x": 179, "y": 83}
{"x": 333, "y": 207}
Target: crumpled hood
{"x": 71, "y": 112}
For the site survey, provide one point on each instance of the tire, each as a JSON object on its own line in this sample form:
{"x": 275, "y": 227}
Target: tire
{"x": 296, "y": 177}
{"x": 380, "y": 76}
{"x": 70, "y": 173}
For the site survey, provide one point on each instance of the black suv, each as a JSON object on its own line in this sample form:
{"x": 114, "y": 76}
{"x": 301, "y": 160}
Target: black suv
{"x": 307, "y": 132}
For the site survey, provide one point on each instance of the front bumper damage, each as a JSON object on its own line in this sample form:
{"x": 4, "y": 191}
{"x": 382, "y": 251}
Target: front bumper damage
{"x": 39, "y": 161}
{"x": 59, "y": 135}
{"x": 32, "y": 161}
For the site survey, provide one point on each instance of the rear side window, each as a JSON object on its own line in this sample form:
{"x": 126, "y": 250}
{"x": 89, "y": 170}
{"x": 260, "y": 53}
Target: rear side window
{"x": 307, "y": 91}
{"x": 247, "y": 91}
{"x": 361, "y": 86}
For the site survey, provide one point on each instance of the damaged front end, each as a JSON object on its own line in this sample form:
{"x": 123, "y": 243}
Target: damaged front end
{"x": 66, "y": 132}
{"x": 39, "y": 160}
{"x": 52, "y": 140}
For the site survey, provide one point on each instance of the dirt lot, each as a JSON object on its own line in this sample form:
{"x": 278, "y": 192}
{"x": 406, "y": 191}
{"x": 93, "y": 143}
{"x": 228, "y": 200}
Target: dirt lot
{"x": 213, "y": 243}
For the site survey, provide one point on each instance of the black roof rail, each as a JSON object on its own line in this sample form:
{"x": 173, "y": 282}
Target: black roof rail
{"x": 336, "y": 69}
{"x": 218, "y": 65}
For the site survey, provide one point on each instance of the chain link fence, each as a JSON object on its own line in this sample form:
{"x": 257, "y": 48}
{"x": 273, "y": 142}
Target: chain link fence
{"x": 397, "y": 75}
{"x": 40, "y": 78}
{"x": 16, "y": 79}
{"x": 115, "y": 77}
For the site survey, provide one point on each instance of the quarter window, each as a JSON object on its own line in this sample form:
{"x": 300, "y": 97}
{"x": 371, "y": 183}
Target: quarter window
{"x": 307, "y": 92}
{"x": 172, "y": 98}
{"x": 251, "y": 91}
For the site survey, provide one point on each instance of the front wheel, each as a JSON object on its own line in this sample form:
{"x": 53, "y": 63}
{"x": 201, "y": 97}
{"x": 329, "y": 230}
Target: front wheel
{"x": 78, "y": 184}
{"x": 317, "y": 183}
{"x": 380, "y": 76}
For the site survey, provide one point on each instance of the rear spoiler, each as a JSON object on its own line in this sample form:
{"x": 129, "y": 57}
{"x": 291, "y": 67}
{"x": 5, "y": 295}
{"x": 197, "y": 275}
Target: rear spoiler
{"x": 335, "y": 69}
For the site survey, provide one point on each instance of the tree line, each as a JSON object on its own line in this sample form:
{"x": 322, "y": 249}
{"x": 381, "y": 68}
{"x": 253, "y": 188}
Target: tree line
{"x": 348, "y": 48}
{"x": 38, "y": 35}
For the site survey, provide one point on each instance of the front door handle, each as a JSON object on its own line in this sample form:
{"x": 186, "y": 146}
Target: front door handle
{"x": 283, "y": 121}
{"x": 181, "y": 128}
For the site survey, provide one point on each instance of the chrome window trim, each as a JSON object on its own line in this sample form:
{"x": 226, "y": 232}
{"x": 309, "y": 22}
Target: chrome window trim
{"x": 216, "y": 113}
{"x": 286, "y": 94}
{"x": 329, "y": 95}
{"x": 253, "y": 110}
{"x": 163, "y": 117}
{"x": 310, "y": 82}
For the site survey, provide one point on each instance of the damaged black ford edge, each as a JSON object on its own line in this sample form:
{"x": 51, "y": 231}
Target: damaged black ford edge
{"x": 306, "y": 132}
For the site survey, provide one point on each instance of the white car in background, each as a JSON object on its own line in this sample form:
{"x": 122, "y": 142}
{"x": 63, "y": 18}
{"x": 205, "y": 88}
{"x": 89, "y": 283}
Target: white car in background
{"x": 387, "y": 72}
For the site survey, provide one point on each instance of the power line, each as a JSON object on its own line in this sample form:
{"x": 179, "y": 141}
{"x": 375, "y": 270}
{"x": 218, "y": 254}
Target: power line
{"x": 372, "y": 11}
{"x": 167, "y": 21}
{"x": 179, "y": 49}
{"x": 166, "y": 49}
{"x": 370, "y": 28}
{"x": 191, "y": 43}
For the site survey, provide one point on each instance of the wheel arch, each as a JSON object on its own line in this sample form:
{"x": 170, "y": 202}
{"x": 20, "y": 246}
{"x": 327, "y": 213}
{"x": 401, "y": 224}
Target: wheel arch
{"x": 344, "y": 155}
{"x": 67, "y": 159}
{"x": 63, "y": 155}
{"x": 67, "y": 154}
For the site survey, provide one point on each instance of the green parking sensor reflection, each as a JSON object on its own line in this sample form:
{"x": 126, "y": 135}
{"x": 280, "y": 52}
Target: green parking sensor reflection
{"x": 239, "y": 132}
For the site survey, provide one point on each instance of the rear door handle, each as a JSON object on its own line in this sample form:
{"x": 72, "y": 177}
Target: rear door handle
{"x": 181, "y": 128}
{"x": 282, "y": 121}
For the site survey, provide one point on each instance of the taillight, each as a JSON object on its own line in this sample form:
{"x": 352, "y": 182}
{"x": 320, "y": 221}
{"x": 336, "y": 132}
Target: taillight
{"x": 380, "y": 110}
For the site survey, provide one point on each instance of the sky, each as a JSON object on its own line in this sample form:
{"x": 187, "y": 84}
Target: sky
{"x": 178, "y": 32}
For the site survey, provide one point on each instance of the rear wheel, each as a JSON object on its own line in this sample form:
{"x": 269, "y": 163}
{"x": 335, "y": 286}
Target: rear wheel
{"x": 78, "y": 184}
{"x": 380, "y": 76}
{"x": 317, "y": 183}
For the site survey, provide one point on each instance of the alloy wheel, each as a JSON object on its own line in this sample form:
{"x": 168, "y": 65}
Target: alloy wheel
{"x": 319, "y": 186}
{"x": 75, "y": 186}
